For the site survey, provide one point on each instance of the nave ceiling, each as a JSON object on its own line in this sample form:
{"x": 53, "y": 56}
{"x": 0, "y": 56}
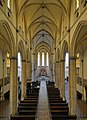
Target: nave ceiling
{"x": 43, "y": 20}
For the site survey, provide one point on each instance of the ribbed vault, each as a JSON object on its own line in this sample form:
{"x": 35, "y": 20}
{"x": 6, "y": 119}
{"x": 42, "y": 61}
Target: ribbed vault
{"x": 43, "y": 18}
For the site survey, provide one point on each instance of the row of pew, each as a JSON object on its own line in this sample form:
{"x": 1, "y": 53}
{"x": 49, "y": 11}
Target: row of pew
{"x": 31, "y": 86}
{"x": 58, "y": 107}
{"x": 27, "y": 108}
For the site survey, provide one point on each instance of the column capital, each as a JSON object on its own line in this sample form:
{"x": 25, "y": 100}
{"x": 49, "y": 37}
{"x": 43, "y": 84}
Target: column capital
{"x": 57, "y": 61}
{"x": 3, "y": 60}
{"x": 33, "y": 53}
{"x": 13, "y": 58}
{"x": 52, "y": 53}
{"x": 28, "y": 61}
{"x": 72, "y": 58}
{"x": 82, "y": 60}
{"x": 62, "y": 60}
{"x": 23, "y": 60}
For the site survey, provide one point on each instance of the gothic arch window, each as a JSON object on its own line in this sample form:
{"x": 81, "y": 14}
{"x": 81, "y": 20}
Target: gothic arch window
{"x": 38, "y": 58}
{"x": 77, "y": 64}
{"x": 47, "y": 59}
{"x": 42, "y": 58}
{"x": 78, "y": 60}
{"x": 8, "y": 63}
{"x": 7, "y": 60}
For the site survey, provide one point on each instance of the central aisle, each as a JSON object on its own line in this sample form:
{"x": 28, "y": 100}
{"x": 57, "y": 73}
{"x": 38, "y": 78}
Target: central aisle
{"x": 43, "y": 107}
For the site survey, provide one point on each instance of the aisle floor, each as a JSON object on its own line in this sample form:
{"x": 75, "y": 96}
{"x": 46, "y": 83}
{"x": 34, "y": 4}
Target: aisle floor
{"x": 43, "y": 112}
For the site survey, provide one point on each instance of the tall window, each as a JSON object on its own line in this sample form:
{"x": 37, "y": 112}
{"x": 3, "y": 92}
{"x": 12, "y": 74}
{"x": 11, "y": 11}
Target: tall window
{"x": 77, "y": 4}
{"x": 19, "y": 59}
{"x": 19, "y": 66}
{"x": 8, "y": 60}
{"x": 38, "y": 58}
{"x": 77, "y": 60}
{"x": 66, "y": 65}
{"x": 67, "y": 60}
{"x": 8, "y": 63}
{"x": 9, "y": 4}
{"x": 43, "y": 59}
{"x": 47, "y": 60}
{"x": 77, "y": 64}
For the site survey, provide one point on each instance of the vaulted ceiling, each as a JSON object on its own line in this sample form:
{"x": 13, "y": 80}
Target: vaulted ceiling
{"x": 43, "y": 19}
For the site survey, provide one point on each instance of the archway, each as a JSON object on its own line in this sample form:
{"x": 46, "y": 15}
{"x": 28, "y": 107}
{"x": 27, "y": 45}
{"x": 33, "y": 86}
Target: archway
{"x": 7, "y": 47}
{"x": 57, "y": 69}
{"x": 22, "y": 62}
{"x": 65, "y": 71}
{"x": 78, "y": 45}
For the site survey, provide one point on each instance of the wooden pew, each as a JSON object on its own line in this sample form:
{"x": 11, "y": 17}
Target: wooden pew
{"x": 63, "y": 117}
{"x": 59, "y": 112}
{"x": 57, "y": 101}
{"x": 27, "y": 112}
{"x": 53, "y": 90}
{"x": 32, "y": 94}
{"x": 59, "y": 107}
{"x": 27, "y": 108}
{"x": 22, "y": 117}
{"x": 29, "y": 101}
{"x": 58, "y": 104}
{"x": 27, "y": 104}
{"x": 34, "y": 98}
{"x": 55, "y": 98}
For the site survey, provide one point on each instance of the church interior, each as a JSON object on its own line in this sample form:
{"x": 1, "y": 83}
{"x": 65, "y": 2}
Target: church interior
{"x": 43, "y": 60}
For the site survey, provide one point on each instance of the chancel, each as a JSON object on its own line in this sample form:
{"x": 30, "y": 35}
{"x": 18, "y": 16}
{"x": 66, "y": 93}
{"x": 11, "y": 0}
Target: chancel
{"x": 43, "y": 59}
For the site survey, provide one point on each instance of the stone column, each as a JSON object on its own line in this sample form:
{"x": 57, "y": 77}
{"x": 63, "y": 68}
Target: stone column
{"x": 83, "y": 87}
{"x": 62, "y": 79}
{"x": 72, "y": 87}
{"x": 31, "y": 63}
{"x": 52, "y": 72}
{"x": 40, "y": 59}
{"x": 52, "y": 66}
{"x": 57, "y": 74}
{"x": 13, "y": 85}
{"x": 3, "y": 81}
{"x": 33, "y": 67}
{"x": 23, "y": 82}
{"x": 49, "y": 68}
{"x": 28, "y": 70}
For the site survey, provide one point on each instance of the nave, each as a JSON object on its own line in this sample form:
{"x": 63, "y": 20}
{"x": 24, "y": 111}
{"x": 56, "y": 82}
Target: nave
{"x": 50, "y": 106}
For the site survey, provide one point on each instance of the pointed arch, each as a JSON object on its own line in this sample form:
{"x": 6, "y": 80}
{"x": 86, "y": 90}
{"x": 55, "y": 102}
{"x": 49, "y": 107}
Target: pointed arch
{"x": 21, "y": 49}
{"x": 64, "y": 49}
{"x": 7, "y": 37}
{"x": 78, "y": 36}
